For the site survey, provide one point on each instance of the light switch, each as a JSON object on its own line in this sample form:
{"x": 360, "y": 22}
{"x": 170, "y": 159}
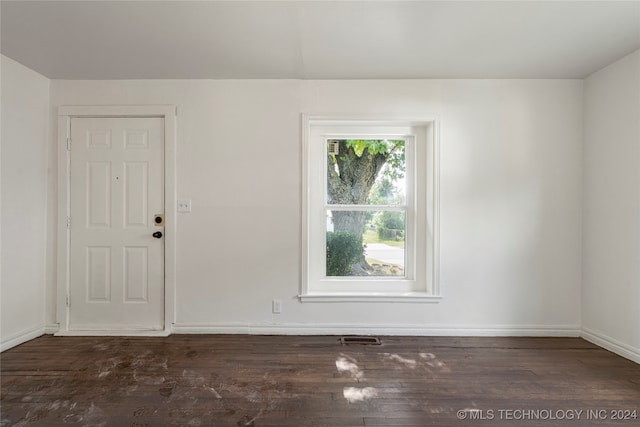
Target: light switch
{"x": 184, "y": 205}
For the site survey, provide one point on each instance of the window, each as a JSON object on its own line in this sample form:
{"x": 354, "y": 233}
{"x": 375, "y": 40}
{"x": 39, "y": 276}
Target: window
{"x": 370, "y": 210}
{"x": 366, "y": 207}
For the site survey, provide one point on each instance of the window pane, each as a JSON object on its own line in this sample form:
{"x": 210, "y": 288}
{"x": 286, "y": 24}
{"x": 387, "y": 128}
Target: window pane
{"x": 365, "y": 172}
{"x": 365, "y": 243}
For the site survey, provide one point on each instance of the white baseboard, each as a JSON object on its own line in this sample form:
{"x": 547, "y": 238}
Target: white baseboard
{"x": 590, "y": 335}
{"x": 22, "y": 337}
{"x": 112, "y": 333}
{"x": 613, "y": 345}
{"x": 399, "y": 330}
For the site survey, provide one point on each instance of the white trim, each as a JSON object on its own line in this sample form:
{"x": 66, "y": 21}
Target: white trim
{"x": 22, "y": 337}
{"x": 117, "y": 110}
{"x": 385, "y": 330}
{"x": 62, "y": 284}
{"x": 168, "y": 113}
{"x": 434, "y": 210}
{"x": 113, "y": 333}
{"x": 170, "y": 218}
{"x": 428, "y": 289}
{"x": 369, "y": 297}
{"x": 611, "y": 344}
{"x": 304, "y": 209}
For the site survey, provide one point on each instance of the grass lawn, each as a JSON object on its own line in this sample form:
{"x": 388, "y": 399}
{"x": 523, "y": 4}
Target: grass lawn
{"x": 371, "y": 236}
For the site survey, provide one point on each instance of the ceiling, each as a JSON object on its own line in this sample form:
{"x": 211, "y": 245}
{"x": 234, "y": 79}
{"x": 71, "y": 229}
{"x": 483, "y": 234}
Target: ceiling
{"x": 318, "y": 39}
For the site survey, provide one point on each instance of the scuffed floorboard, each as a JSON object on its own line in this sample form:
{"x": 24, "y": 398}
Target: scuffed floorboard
{"x": 228, "y": 380}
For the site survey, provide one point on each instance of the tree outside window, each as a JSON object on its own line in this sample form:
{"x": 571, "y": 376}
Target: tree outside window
{"x": 365, "y": 205}
{"x": 369, "y": 210}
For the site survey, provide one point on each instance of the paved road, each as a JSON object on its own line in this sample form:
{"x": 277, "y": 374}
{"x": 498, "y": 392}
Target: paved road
{"x": 386, "y": 253}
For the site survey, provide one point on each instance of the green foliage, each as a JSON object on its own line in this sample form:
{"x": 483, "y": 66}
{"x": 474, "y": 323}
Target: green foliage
{"x": 343, "y": 250}
{"x": 391, "y": 149}
{"x": 384, "y": 192}
{"x": 390, "y": 225}
{"x": 373, "y": 146}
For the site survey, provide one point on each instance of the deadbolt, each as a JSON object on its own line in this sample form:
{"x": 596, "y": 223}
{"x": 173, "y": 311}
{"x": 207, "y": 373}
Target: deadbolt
{"x": 158, "y": 220}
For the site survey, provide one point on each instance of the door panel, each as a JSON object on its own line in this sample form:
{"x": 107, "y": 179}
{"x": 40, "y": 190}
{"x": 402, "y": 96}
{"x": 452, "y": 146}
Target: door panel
{"x": 117, "y": 187}
{"x": 98, "y": 273}
{"x": 98, "y": 194}
{"x": 136, "y": 283}
{"x": 136, "y": 187}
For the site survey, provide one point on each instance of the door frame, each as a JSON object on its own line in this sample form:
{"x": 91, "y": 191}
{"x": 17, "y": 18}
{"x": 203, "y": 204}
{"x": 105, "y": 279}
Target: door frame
{"x": 65, "y": 113}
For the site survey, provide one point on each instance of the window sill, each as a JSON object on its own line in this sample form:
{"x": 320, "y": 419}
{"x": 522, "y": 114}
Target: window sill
{"x": 414, "y": 297}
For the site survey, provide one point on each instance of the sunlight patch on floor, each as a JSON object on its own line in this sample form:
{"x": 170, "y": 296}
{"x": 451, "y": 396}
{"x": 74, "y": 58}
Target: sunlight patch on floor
{"x": 348, "y": 364}
{"x": 409, "y": 363}
{"x": 353, "y": 394}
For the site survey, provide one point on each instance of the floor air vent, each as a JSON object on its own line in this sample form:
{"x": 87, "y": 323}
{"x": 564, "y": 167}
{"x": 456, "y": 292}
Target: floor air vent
{"x": 360, "y": 340}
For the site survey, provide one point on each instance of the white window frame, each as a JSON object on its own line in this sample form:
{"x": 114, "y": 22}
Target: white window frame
{"x": 420, "y": 283}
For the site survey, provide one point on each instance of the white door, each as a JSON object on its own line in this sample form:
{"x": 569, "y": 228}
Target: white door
{"x": 117, "y": 224}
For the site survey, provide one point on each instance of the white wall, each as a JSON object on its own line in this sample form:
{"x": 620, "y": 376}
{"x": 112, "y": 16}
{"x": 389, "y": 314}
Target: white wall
{"x": 611, "y": 250}
{"x": 510, "y": 201}
{"x": 25, "y": 127}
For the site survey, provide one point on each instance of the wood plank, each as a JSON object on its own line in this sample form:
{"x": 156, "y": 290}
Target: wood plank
{"x": 231, "y": 380}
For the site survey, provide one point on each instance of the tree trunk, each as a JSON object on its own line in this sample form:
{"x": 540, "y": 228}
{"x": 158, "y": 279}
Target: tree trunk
{"x": 351, "y": 221}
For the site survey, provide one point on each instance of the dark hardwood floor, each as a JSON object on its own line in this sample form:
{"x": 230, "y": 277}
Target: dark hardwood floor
{"x": 214, "y": 380}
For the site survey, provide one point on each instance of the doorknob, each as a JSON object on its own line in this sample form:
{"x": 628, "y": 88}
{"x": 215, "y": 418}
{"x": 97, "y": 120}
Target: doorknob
{"x": 157, "y": 234}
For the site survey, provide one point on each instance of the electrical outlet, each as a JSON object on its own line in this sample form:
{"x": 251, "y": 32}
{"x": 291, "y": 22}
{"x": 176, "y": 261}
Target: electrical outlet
{"x": 184, "y": 205}
{"x": 276, "y": 306}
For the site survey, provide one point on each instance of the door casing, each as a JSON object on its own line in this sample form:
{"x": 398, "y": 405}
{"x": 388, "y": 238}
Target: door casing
{"x": 65, "y": 114}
